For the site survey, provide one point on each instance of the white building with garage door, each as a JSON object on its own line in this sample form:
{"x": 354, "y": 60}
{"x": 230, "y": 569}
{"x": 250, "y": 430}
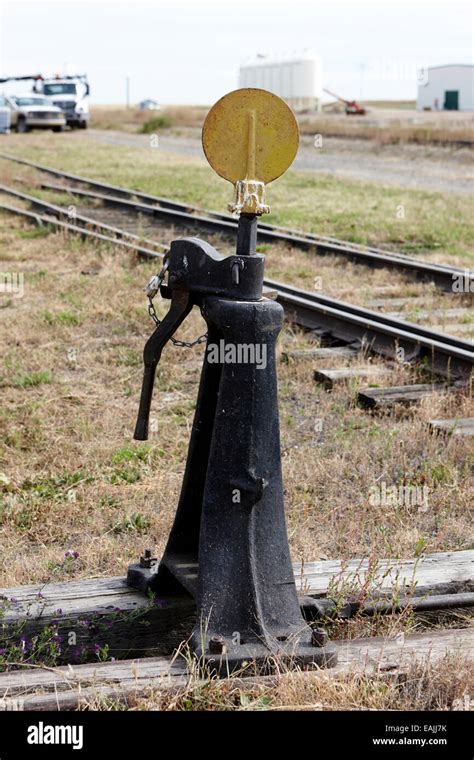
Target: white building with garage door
{"x": 447, "y": 88}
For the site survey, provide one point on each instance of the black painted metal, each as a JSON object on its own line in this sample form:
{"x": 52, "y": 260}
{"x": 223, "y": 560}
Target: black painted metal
{"x": 247, "y": 235}
{"x": 228, "y": 546}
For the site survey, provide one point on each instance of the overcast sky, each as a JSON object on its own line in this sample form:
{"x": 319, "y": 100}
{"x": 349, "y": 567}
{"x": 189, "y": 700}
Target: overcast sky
{"x": 189, "y": 52}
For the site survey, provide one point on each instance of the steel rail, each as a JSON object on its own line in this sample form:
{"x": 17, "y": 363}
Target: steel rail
{"x": 314, "y": 609}
{"x": 63, "y": 212}
{"x": 126, "y": 192}
{"x": 83, "y": 232}
{"x": 448, "y": 355}
{"x": 442, "y": 275}
{"x": 398, "y": 324}
{"x": 185, "y": 214}
{"x": 280, "y": 287}
{"x": 169, "y": 203}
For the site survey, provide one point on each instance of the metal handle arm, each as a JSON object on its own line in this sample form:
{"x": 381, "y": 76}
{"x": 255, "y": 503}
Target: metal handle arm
{"x": 181, "y": 305}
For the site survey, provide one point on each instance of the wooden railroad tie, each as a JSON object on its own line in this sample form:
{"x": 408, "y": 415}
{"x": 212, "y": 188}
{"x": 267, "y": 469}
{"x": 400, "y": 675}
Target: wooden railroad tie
{"x": 456, "y": 426}
{"x": 107, "y": 611}
{"x": 311, "y": 354}
{"x": 330, "y": 377}
{"x": 66, "y": 688}
{"x": 386, "y": 398}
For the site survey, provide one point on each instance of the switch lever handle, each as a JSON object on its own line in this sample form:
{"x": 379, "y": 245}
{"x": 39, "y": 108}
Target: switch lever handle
{"x": 181, "y": 305}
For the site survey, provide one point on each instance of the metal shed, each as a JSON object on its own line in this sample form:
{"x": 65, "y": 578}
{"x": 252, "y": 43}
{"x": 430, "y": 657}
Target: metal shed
{"x": 446, "y": 88}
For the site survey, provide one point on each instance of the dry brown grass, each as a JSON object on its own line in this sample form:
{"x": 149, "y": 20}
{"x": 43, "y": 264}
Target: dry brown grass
{"x": 382, "y": 126}
{"x": 76, "y": 480}
{"x": 393, "y": 132}
{"x": 446, "y": 685}
{"x": 132, "y": 119}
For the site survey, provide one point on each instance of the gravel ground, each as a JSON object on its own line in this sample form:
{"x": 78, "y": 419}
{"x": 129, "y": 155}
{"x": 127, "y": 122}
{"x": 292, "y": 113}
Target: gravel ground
{"x": 424, "y": 167}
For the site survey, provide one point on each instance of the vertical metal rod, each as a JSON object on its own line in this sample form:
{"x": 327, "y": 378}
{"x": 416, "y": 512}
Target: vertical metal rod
{"x": 247, "y": 235}
{"x": 251, "y": 145}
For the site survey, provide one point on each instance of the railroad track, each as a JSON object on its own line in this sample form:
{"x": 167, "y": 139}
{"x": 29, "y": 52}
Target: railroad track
{"x": 448, "y": 355}
{"x": 163, "y": 628}
{"x": 194, "y": 218}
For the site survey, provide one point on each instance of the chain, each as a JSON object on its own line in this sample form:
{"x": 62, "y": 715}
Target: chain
{"x": 151, "y": 289}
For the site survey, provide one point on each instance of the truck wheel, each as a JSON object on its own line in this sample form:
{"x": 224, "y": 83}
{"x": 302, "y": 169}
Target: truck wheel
{"x": 21, "y": 125}
{"x": 58, "y": 129}
{"x": 83, "y": 124}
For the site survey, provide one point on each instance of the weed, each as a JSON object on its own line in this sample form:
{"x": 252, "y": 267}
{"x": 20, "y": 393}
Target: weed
{"x": 157, "y": 122}
{"x": 130, "y": 453}
{"x": 29, "y": 379}
{"x": 135, "y": 522}
{"x": 40, "y": 231}
{"x": 66, "y": 318}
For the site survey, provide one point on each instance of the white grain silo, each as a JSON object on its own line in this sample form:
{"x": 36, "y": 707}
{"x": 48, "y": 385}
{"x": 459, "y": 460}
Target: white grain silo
{"x": 447, "y": 88}
{"x": 296, "y": 79}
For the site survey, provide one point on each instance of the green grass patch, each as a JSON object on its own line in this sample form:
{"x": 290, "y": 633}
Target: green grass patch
{"x": 136, "y": 523}
{"x": 155, "y": 123}
{"x": 29, "y": 379}
{"x": 55, "y": 486}
{"x": 63, "y": 318}
{"x": 130, "y": 358}
{"x": 40, "y": 231}
{"x": 130, "y": 453}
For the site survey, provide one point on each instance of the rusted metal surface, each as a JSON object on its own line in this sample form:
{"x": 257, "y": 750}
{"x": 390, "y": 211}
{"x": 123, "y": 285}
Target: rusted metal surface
{"x": 250, "y": 137}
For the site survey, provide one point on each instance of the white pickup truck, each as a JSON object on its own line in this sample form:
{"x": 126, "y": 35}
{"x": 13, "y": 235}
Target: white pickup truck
{"x": 32, "y": 111}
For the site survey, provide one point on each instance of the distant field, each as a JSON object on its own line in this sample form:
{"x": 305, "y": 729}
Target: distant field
{"x": 132, "y": 119}
{"x": 385, "y": 122}
{"x": 392, "y": 123}
{"x": 411, "y": 104}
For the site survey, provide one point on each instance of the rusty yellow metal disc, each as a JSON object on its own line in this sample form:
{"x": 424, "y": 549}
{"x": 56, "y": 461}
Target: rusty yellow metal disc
{"x": 250, "y": 134}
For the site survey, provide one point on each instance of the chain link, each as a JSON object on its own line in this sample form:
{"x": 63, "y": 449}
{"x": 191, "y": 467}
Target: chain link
{"x": 151, "y": 289}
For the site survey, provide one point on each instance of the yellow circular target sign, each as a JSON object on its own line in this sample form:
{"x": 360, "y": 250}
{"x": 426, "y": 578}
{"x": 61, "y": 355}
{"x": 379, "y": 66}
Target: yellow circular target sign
{"x": 250, "y": 134}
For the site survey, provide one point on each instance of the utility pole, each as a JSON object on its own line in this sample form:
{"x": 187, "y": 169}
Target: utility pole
{"x": 362, "y": 71}
{"x": 127, "y": 91}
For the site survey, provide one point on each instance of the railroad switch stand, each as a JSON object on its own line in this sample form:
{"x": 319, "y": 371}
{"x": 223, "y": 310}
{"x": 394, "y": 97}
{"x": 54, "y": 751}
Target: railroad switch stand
{"x": 228, "y": 547}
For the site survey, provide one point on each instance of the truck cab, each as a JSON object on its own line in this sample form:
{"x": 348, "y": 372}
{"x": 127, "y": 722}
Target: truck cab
{"x": 71, "y": 96}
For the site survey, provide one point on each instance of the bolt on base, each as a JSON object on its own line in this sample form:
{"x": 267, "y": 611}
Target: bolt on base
{"x": 220, "y": 656}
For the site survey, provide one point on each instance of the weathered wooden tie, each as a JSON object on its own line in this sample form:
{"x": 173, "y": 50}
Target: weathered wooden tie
{"x": 66, "y": 688}
{"x": 455, "y": 426}
{"x": 310, "y": 354}
{"x": 105, "y": 611}
{"x": 330, "y": 377}
{"x": 385, "y": 398}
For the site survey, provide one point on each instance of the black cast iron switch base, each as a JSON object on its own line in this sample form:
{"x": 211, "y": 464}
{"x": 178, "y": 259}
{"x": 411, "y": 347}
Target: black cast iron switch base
{"x": 228, "y": 547}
